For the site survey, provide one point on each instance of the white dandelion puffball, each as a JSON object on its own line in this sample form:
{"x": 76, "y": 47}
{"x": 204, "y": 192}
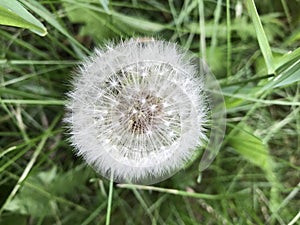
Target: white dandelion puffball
{"x": 137, "y": 110}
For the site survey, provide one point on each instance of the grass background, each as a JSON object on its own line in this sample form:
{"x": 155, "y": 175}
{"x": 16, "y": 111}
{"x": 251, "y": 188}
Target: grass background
{"x": 251, "y": 47}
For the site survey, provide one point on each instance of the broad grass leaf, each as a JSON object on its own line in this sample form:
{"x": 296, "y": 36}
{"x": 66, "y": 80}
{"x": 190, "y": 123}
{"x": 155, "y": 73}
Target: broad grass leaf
{"x": 101, "y": 24}
{"x": 36, "y": 197}
{"x": 251, "y": 148}
{"x": 294, "y": 38}
{"x": 50, "y": 18}
{"x": 290, "y": 76}
{"x": 242, "y": 90}
{"x": 70, "y": 182}
{"x": 105, "y": 4}
{"x": 216, "y": 62}
{"x": 288, "y": 71}
{"x": 29, "y": 201}
{"x": 137, "y": 24}
{"x": 254, "y": 150}
{"x": 287, "y": 59}
{"x": 95, "y": 24}
{"x": 12, "y": 13}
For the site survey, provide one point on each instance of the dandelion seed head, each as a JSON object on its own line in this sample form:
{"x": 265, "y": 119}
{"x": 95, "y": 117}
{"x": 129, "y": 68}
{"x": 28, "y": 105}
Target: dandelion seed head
{"x": 138, "y": 110}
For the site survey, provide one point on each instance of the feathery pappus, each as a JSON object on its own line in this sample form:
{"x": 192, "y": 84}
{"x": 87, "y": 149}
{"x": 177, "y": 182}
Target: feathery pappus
{"x": 137, "y": 110}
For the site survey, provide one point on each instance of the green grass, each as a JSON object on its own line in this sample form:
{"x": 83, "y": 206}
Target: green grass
{"x": 253, "y": 54}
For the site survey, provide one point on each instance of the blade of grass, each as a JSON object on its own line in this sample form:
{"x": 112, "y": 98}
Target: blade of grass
{"x": 16, "y": 40}
{"x": 202, "y": 29}
{"x": 30, "y": 164}
{"x": 48, "y": 194}
{"x": 179, "y": 192}
{"x": 94, "y": 214}
{"x": 287, "y": 77}
{"x": 32, "y": 102}
{"x": 261, "y": 36}
{"x": 14, "y": 158}
{"x": 295, "y": 219}
{"x": 260, "y": 100}
{"x": 217, "y": 16}
{"x": 144, "y": 204}
{"x": 15, "y": 114}
{"x": 31, "y": 75}
{"x": 287, "y": 12}
{"x": 228, "y": 19}
{"x": 24, "y": 94}
{"x": 44, "y": 13}
{"x": 40, "y": 62}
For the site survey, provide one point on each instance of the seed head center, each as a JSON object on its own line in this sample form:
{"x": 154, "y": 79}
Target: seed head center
{"x": 144, "y": 114}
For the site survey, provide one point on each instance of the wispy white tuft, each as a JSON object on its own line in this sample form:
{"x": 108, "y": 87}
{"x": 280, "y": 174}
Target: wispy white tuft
{"x": 137, "y": 110}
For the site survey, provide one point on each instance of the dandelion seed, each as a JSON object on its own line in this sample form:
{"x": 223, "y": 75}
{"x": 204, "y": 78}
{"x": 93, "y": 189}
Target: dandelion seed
{"x": 149, "y": 119}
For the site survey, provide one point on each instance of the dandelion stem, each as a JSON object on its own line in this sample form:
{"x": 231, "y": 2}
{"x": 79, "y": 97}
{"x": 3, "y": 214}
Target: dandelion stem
{"x": 109, "y": 199}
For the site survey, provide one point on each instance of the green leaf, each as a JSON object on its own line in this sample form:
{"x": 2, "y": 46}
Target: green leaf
{"x": 12, "y": 13}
